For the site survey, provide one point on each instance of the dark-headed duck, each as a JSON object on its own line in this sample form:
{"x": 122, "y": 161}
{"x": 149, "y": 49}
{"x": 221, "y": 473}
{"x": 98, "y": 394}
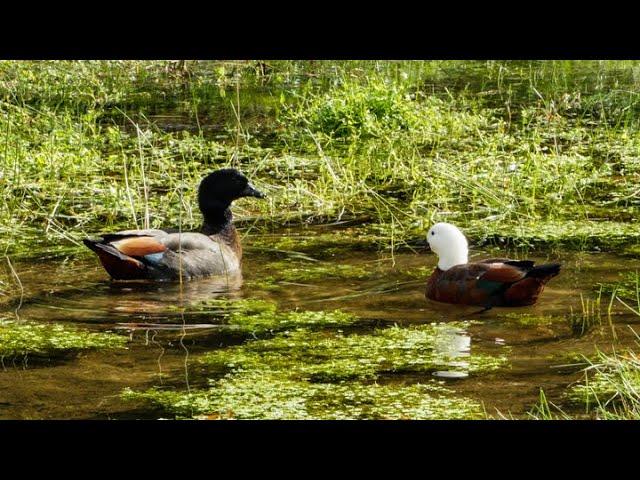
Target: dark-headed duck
{"x": 487, "y": 283}
{"x": 168, "y": 254}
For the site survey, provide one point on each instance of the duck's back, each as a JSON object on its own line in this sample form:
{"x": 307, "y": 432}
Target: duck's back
{"x": 458, "y": 284}
{"x": 493, "y": 282}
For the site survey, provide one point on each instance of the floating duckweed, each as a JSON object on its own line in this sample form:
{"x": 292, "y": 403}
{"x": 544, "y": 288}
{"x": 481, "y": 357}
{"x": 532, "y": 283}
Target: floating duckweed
{"x": 258, "y": 316}
{"x": 317, "y": 271}
{"x": 527, "y": 319}
{"x": 44, "y": 339}
{"x": 309, "y": 374}
{"x": 263, "y": 395}
{"x": 331, "y": 357}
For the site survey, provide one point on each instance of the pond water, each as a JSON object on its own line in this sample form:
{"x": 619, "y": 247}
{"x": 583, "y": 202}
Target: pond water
{"x": 165, "y": 342}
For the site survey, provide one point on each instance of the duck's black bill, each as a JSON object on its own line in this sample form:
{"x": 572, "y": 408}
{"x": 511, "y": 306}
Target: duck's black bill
{"x": 249, "y": 191}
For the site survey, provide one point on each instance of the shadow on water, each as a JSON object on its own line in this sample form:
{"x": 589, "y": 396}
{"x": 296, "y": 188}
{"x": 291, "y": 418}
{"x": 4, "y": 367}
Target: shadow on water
{"x": 168, "y": 327}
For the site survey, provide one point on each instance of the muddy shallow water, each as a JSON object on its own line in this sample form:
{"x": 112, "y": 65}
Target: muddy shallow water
{"x": 538, "y": 342}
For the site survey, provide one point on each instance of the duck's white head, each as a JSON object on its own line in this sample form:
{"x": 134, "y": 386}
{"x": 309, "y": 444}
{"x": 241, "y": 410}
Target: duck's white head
{"x": 449, "y": 244}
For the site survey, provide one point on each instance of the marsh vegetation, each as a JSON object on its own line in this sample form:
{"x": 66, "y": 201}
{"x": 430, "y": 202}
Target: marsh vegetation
{"x": 358, "y": 159}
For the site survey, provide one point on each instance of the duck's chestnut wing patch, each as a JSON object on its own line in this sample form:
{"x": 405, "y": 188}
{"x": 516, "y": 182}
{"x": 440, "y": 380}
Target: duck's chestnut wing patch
{"x": 139, "y": 246}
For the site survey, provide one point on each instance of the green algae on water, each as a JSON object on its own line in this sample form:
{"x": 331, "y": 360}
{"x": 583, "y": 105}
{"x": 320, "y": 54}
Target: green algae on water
{"x": 332, "y": 375}
{"x": 319, "y": 244}
{"x": 286, "y": 272}
{"x": 18, "y": 339}
{"x": 268, "y": 321}
{"x": 262, "y": 395}
{"x": 260, "y": 316}
{"x": 528, "y": 319}
{"x": 334, "y": 356}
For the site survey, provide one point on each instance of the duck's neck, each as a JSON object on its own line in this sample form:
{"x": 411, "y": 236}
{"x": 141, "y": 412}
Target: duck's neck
{"x": 451, "y": 259}
{"x": 219, "y": 223}
{"x": 216, "y": 220}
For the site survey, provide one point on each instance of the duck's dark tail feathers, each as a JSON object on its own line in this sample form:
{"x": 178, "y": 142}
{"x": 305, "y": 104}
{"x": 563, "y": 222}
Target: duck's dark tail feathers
{"x": 545, "y": 271}
{"x": 117, "y": 264}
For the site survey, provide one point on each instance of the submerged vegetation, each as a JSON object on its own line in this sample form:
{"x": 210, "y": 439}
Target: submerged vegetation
{"x": 45, "y": 340}
{"x": 260, "y": 316}
{"x": 311, "y": 374}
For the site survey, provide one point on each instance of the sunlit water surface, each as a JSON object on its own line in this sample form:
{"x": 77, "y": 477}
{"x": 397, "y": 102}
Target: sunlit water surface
{"x": 165, "y": 341}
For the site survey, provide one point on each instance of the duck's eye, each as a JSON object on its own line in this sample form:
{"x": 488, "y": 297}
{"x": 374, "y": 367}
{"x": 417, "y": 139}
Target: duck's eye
{"x": 433, "y": 233}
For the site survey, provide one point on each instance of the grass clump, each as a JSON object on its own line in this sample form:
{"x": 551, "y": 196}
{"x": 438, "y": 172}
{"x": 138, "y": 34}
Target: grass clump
{"x": 546, "y": 410}
{"x": 360, "y": 110}
{"x": 611, "y": 388}
{"x": 524, "y": 152}
{"x": 21, "y": 339}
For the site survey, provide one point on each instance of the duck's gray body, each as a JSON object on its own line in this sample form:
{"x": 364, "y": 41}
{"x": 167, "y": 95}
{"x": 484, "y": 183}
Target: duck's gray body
{"x": 206, "y": 255}
{"x": 170, "y": 255}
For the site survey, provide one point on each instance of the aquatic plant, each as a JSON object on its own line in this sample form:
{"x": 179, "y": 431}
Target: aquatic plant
{"x": 611, "y": 387}
{"x": 325, "y": 356}
{"x": 307, "y": 374}
{"x": 627, "y": 288}
{"x": 527, "y": 153}
{"x": 546, "y": 410}
{"x": 260, "y": 316}
{"x": 261, "y": 395}
{"x": 21, "y": 339}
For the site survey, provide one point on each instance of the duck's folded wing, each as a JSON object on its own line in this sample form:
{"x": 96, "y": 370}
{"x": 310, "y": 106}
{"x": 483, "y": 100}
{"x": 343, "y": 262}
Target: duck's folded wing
{"x": 139, "y": 246}
{"x": 124, "y": 254}
{"x": 163, "y": 255}
{"x": 503, "y": 273}
{"x": 500, "y": 276}
{"x": 194, "y": 254}
{"x": 115, "y": 236}
{"x": 189, "y": 241}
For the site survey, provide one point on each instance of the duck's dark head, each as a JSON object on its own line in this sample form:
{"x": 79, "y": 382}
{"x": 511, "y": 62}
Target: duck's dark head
{"x": 218, "y": 189}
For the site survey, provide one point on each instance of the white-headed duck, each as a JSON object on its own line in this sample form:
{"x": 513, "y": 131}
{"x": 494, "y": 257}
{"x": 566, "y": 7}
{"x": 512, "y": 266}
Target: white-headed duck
{"x": 487, "y": 283}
